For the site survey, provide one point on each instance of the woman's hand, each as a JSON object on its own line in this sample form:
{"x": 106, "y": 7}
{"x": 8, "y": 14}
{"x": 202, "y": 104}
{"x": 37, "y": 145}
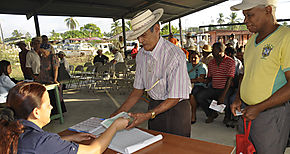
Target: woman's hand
{"x": 120, "y": 123}
{"x": 79, "y": 137}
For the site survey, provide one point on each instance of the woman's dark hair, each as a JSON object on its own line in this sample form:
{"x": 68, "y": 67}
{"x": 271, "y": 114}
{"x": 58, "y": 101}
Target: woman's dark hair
{"x": 21, "y": 101}
{"x": 3, "y": 67}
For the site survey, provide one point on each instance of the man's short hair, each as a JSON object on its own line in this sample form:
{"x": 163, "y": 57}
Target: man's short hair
{"x": 152, "y": 27}
{"x": 220, "y": 45}
{"x": 230, "y": 50}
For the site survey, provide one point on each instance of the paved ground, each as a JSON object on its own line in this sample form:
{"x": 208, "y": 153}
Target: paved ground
{"x": 83, "y": 104}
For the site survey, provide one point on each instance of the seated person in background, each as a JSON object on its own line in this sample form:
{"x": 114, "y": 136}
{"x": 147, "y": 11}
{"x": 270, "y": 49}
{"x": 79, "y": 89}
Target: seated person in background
{"x": 33, "y": 58}
{"x": 206, "y": 54}
{"x": 197, "y": 72}
{"x": 22, "y": 58}
{"x": 63, "y": 60}
{"x": 134, "y": 51}
{"x": 28, "y": 110}
{"x": 5, "y": 82}
{"x": 221, "y": 71}
{"x": 45, "y": 45}
{"x": 239, "y": 71}
{"x": 100, "y": 57}
{"x": 117, "y": 56}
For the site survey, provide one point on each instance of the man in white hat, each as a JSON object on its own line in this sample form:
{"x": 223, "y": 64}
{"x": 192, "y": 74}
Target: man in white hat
{"x": 161, "y": 71}
{"x": 265, "y": 86}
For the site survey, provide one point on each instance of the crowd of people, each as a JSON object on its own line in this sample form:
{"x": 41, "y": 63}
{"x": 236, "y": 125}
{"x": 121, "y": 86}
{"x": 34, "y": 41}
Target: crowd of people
{"x": 176, "y": 79}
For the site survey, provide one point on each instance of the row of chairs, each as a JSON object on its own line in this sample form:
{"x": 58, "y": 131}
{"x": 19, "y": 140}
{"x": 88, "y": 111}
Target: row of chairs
{"x": 99, "y": 76}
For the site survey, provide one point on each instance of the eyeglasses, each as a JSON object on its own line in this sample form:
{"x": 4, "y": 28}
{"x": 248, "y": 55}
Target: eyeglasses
{"x": 153, "y": 85}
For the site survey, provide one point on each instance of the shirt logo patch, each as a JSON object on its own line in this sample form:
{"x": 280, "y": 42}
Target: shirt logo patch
{"x": 267, "y": 50}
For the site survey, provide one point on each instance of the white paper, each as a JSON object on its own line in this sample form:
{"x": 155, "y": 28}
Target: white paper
{"x": 3, "y": 97}
{"x": 238, "y": 113}
{"x": 220, "y": 108}
{"x": 107, "y": 123}
{"x": 91, "y": 125}
{"x": 129, "y": 141}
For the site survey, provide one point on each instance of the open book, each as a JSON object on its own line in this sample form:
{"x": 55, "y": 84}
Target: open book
{"x": 125, "y": 141}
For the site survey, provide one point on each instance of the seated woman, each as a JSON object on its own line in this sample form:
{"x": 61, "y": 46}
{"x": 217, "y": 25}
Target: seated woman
{"x": 28, "y": 110}
{"x": 197, "y": 72}
{"x": 5, "y": 81}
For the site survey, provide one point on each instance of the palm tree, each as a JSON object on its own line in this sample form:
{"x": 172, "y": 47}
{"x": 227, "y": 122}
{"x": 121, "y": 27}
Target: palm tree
{"x": 116, "y": 28}
{"x": 233, "y": 19}
{"x": 71, "y": 23}
{"x": 220, "y": 19}
{"x": 128, "y": 25}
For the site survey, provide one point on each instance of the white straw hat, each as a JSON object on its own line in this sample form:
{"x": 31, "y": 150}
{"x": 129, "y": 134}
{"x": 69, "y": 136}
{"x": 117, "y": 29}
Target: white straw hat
{"x": 248, "y": 4}
{"x": 143, "y": 21}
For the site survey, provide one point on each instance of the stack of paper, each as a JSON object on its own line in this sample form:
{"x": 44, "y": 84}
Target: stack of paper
{"x": 108, "y": 122}
{"x": 125, "y": 141}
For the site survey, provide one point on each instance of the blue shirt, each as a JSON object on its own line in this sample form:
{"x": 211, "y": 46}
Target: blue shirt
{"x": 34, "y": 140}
{"x": 199, "y": 69}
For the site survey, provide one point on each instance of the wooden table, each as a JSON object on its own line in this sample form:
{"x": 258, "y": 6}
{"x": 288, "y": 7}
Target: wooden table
{"x": 57, "y": 99}
{"x": 173, "y": 144}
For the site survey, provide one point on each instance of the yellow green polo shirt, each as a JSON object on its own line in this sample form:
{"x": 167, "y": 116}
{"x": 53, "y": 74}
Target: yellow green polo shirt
{"x": 265, "y": 64}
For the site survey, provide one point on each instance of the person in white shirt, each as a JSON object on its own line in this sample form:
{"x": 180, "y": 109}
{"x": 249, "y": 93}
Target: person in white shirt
{"x": 117, "y": 56}
{"x": 5, "y": 82}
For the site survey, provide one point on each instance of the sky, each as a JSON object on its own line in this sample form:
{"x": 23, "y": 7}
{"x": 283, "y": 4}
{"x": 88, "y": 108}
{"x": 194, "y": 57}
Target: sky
{"x": 48, "y": 23}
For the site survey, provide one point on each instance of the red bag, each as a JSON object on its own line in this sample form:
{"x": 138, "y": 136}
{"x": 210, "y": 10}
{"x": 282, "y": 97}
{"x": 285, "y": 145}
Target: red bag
{"x": 243, "y": 144}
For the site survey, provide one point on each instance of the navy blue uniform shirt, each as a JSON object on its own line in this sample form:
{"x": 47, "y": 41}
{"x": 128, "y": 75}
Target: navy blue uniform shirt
{"x": 34, "y": 140}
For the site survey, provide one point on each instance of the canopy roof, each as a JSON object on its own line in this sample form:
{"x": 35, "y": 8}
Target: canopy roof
{"x": 115, "y": 9}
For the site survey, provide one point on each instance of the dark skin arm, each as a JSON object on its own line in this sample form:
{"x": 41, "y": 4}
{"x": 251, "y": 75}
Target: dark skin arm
{"x": 278, "y": 98}
{"x": 221, "y": 99}
{"x": 141, "y": 117}
{"x": 236, "y": 105}
{"x": 130, "y": 102}
{"x": 30, "y": 73}
{"x": 200, "y": 79}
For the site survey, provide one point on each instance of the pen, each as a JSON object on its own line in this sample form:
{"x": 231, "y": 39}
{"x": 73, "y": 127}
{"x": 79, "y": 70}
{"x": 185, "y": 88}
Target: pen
{"x": 75, "y": 130}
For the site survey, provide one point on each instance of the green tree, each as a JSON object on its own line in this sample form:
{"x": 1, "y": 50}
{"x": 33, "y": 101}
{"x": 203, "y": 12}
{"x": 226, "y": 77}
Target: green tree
{"x": 72, "y": 34}
{"x": 91, "y": 30}
{"x": 128, "y": 25}
{"x": 16, "y": 34}
{"x": 54, "y": 35}
{"x": 71, "y": 23}
{"x": 165, "y": 30}
{"x": 285, "y": 23}
{"x": 220, "y": 19}
{"x": 27, "y": 37}
{"x": 116, "y": 28}
{"x": 233, "y": 18}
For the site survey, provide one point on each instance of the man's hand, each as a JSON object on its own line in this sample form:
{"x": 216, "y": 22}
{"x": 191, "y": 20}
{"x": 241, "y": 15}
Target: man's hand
{"x": 221, "y": 100}
{"x": 251, "y": 112}
{"x": 236, "y": 105}
{"x": 138, "y": 118}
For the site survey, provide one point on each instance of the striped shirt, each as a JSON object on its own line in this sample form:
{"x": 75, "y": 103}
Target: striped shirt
{"x": 166, "y": 64}
{"x": 221, "y": 73}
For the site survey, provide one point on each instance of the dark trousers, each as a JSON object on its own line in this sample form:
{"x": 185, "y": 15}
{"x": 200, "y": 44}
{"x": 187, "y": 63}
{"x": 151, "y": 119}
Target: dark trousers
{"x": 204, "y": 98}
{"x": 270, "y": 130}
{"x": 176, "y": 120}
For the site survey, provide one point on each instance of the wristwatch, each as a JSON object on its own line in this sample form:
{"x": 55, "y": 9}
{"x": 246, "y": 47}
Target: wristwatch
{"x": 153, "y": 114}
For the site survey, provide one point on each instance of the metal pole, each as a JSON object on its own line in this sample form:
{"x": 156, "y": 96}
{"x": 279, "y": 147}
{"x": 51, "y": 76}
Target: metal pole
{"x": 2, "y": 34}
{"x": 180, "y": 31}
{"x": 124, "y": 36}
{"x": 170, "y": 30}
{"x": 36, "y": 25}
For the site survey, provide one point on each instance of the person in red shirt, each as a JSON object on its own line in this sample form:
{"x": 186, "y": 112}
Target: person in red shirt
{"x": 221, "y": 71}
{"x": 134, "y": 51}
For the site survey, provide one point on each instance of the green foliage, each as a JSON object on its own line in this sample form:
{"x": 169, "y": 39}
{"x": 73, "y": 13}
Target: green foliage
{"x": 91, "y": 30}
{"x": 233, "y": 18}
{"x": 71, "y": 23}
{"x": 284, "y": 23}
{"x": 165, "y": 30}
{"x": 27, "y": 37}
{"x": 54, "y": 35}
{"x": 16, "y": 34}
{"x": 116, "y": 28}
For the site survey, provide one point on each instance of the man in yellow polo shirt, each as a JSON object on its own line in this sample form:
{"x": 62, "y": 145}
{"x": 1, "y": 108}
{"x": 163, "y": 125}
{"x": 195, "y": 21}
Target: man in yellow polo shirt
{"x": 265, "y": 89}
